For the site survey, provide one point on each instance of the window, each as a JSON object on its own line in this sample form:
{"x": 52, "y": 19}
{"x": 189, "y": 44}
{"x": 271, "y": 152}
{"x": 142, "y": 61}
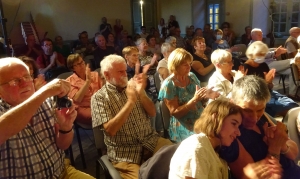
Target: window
{"x": 213, "y": 14}
{"x": 285, "y": 15}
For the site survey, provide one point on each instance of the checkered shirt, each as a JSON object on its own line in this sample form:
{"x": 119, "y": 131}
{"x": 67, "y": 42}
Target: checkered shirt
{"x": 136, "y": 132}
{"x": 32, "y": 153}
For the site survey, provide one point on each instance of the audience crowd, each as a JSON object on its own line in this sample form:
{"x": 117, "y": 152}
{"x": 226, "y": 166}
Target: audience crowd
{"x": 221, "y": 106}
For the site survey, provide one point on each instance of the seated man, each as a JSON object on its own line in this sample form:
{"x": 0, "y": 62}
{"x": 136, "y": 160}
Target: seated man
{"x": 50, "y": 63}
{"x": 31, "y": 49}
{"x": 101, "y": 51}
{"x": 83, "y": 46}
{"x": 32, "y": 137}
{"x": 261, "y": 141}
{"x": 291, "y": 43}
{"x": 246, "y": 37}
{"x": 61, "y": 48}
{"x": 281, "y": 66}
{"x": 122, "y": 109}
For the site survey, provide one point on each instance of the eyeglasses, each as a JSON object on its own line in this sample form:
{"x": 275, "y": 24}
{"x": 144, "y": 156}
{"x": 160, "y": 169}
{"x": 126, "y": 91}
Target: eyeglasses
{"x": 230, "y": 62}
{"x": 48, "y": 45}
{"x": 16, "y": 81}
{"x": 79, "y": 64}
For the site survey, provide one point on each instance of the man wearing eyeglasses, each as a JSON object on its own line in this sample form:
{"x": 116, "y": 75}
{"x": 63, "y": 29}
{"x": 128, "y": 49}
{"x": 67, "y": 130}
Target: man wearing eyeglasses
{"x": 50, "y": 63}
{"x": 33, "y": 135}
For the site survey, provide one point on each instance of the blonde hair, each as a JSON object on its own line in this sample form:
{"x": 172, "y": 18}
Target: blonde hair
{"x": 213, "y": 115}
{"x": 255, "y": 48}
{"x": 177, "y": 57}
{"x": 219, "y": 55}
{"x": 127, "y": 50}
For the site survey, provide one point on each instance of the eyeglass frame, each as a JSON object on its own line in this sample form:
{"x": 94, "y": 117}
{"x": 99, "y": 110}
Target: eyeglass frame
{"x": 17, "y": 81}
{"x": 79, "y": 64}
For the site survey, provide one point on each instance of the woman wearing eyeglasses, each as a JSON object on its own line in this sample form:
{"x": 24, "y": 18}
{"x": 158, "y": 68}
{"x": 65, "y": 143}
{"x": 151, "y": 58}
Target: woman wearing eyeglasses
{"x": 222, "y": 79}
{"x": 84, "y": 84}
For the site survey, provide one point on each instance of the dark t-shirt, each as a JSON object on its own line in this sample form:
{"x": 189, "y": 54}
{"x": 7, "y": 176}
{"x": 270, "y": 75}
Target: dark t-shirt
{"x": 99, "y": 54}
{"x": 205, "y": 63}
{"x": 258, "y": 149}
{"x": 258, "y": 71}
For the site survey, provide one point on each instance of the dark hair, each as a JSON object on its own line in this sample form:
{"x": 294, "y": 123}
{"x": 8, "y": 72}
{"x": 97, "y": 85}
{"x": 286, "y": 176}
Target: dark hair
{"x": 247, "y": 27}
{"x": 46, "y": 39}
{"x": 27, "y": 60}
{"x": 197, "y": 29}
{"x": 149, "y": 37}
{"x": 143, "y": 27}
{"x": 225, "y": 23}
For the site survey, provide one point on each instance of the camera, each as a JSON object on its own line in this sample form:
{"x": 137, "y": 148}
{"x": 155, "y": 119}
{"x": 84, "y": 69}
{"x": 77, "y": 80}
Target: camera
{"x": 63, "y": 102}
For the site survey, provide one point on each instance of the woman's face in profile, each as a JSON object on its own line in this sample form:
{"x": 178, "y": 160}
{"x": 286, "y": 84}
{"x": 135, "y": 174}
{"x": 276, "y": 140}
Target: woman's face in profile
{"x": 230, "y": 129}
{"x": 30, "y": 69}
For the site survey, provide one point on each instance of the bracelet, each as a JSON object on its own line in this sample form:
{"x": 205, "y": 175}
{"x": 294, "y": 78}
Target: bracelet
{"x": 287, "y": 150}
{"x": 277, "y": 156}
{"x": 65, "y": 132}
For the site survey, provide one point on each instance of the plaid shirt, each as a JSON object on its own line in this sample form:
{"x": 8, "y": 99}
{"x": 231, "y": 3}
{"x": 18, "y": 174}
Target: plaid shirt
{"x": 32, "y": 153}
{"x": 136, "y": 132}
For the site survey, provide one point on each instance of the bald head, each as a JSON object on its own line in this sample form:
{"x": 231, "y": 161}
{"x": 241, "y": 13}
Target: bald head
{"x": 294, "y": 32}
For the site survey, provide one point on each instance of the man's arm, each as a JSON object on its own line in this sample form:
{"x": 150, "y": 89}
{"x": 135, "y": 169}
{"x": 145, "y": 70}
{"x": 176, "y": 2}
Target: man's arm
{"x": 112, "y": 126}
{"x": 14, "y": 120}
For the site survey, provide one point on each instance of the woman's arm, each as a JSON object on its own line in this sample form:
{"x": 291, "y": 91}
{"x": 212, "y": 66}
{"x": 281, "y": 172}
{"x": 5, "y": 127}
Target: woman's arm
{"x": 199, "y": 68}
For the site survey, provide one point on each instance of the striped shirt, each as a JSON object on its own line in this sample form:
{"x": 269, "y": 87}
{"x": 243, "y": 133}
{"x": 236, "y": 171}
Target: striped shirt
{"x": 32, "y": 153}
{"x": 136, "y": 132}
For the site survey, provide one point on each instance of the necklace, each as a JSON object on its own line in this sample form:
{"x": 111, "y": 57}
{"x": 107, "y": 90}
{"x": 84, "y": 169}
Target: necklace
{"x": 201, "y": 55}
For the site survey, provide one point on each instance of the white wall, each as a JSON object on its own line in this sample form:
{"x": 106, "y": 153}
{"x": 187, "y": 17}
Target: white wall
{"x": 260, "y": 17}
{"x": 65, "y": 17}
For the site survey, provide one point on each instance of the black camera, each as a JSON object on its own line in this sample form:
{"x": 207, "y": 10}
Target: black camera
{"x": 63, "y": 102}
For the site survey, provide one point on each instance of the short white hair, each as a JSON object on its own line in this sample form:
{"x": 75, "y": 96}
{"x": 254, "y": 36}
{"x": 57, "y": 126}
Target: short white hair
{"x": 139, "y": 41}
{"x": 108, "y": 61}
{"x": 253, "y": 31}
{"x": 8, "y": 61}
{"x": 165, "y": 47}
{"x": 298, "y": 39}
{"x": 293, "y": 29}
{"x": 256, "y": 48}
{"x": 170, "y": 39}
{"x": 219, "y": 56}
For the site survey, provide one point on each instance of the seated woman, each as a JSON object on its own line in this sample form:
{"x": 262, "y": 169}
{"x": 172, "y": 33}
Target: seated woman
{"x": 162, "y": 67}
{"x": 182, "y": 95}
{"x": 279, "y": 104}
{"x": 38, "y": 79}
{"x": 153, "y": 47}
{"x": 196, "y": 156}
{"x": 201, "y": 66}
{"x": 229, "y": 35}
{"x": 84, "y": 84}
{"x": 222, "y": 79}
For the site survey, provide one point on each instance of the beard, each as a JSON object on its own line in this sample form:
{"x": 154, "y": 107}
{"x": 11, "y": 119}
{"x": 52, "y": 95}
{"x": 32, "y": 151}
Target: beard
{"x": 122, "y": 82}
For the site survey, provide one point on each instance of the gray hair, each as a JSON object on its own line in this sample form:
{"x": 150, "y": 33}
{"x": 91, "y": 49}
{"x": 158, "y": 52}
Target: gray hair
{"x": 139, "y": 41}
{"x": 219, "y": 55}
{"x": 108, "y": 61}
{"x": 170, "y": 39}
{"x": 165, "y": 47}
{"x": 253, "y": 31}
{"x": 250, "y": 88}
{"x": 256, "y": 47}
{"x": 293, "y": 29}
{"x": 99, "y": 35}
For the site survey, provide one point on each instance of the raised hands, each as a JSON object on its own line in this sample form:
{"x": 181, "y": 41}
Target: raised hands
{"x": 211, "y": 94}
{"x": 39, "y": 81}
{"x": 240, "y": 73}
{"x": 200, "y": 93}
{"x": 270, "y": 75}
{"x": 131, "y": 91}
{"x": 276, "y": 137}
{"x": 88, "y": 73}
{"x": 268, "y": 168}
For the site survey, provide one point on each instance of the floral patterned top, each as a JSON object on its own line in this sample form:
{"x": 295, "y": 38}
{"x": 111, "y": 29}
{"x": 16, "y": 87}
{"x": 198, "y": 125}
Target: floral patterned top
{"x": 182, "y": 128}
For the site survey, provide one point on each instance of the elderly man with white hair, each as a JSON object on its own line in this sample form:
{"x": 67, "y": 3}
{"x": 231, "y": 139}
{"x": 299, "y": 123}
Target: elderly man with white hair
{"x": 122, "y": 109}
{"x": 281, "y": 66}
{"x": 291, "y": 43}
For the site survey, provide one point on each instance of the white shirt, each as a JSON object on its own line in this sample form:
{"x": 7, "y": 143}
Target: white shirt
{"x": 195, "y": 157}
{"x": 220, "y": 84}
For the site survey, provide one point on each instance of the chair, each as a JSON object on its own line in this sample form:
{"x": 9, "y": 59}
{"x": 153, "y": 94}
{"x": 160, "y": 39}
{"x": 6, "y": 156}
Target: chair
{"x": 157, "y": 81}
{"x": 109, "y": 171}
{"x": 166, "y": 118}
{"x": 295, "y": 75}
{"x": 291, "y": 120}
{"x": 64, "y": 75}
{"x": 282, "y": 78}
{"x": 88, "y": 59}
